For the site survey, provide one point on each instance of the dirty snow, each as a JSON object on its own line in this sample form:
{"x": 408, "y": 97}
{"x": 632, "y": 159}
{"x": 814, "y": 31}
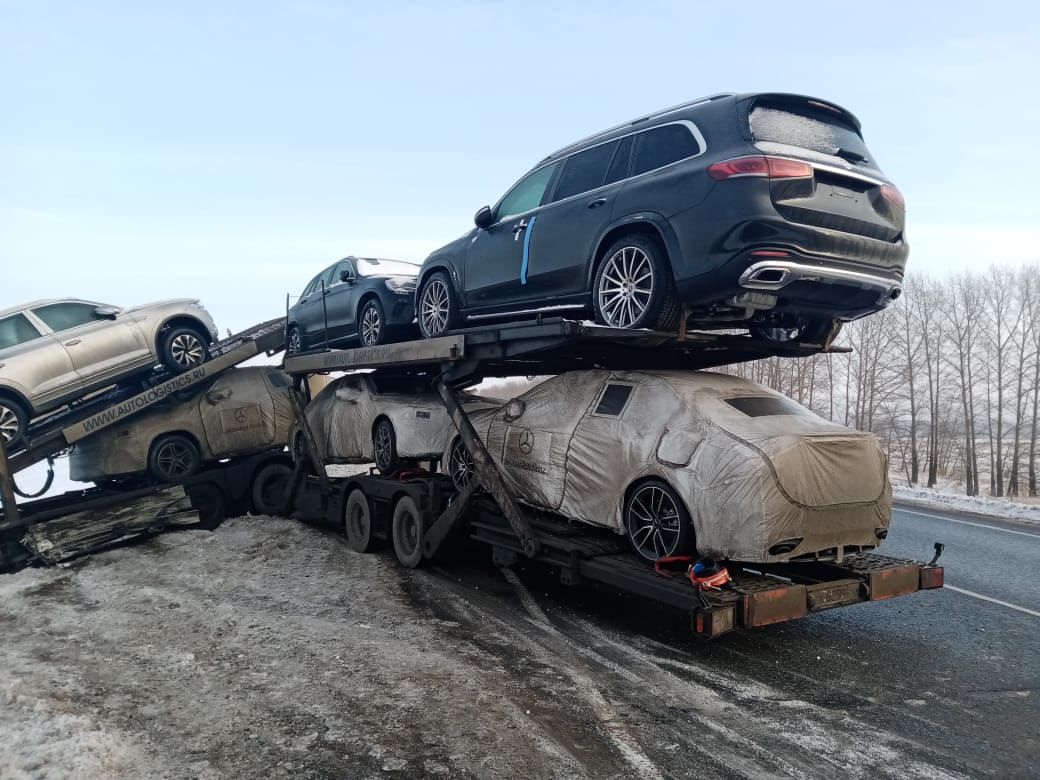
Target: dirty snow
{"x": 938, "y": 500}
{"x": 268, "y": 648}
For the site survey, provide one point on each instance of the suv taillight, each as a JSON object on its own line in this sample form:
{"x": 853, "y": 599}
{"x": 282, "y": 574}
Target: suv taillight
{"x": 893, "y": 196}
{"x": 758, "y": 165}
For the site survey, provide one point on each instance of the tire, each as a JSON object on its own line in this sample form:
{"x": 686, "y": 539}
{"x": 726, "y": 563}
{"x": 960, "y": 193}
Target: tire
{"x": 183, "y": 348}
{"x": 208, "y": 500}
{"x": 460, "y": 465}
{"x": 371, "y": 324}
{"x": 656, "y": 521}
{"x": 633, "y": 287}
{"x": 293, "y": 341}
{"x": 13, "y": 421}
{"x": 268, "y": 489}
{"x": 813, "y": 332}
{"x": 408, "y": 533}
{"x": 437, "y": 306}
{"x": 173, "y": 457}
{"x": 384, "y": 446}
{"x": 357, "y": 522}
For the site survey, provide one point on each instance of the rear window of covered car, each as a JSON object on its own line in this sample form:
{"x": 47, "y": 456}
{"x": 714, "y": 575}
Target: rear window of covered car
{"x": 765, "y": 405}
{"x": 815, "y": 128}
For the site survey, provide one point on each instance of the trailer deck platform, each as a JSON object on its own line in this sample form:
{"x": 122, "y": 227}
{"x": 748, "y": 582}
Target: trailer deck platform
{"x": 758, "y": 595}
{"x": 550, "y": 346}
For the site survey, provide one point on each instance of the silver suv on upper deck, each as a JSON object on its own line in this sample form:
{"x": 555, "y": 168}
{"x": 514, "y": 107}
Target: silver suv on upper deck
{"x": 53, "y": 352}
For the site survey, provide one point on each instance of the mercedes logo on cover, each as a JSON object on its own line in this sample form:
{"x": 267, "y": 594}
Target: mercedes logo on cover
{"x": 525, "y": 441}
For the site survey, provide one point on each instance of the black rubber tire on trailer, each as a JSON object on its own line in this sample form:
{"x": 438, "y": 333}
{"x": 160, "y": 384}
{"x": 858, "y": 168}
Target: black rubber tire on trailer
{"x": 208, "y": 500}
{"x": 384, "y": 446}
{"x": 13, "y": 421}
{"x": 183, "y": 348}
{"x": 173, "y": 457}
{"x": 357, "y": 522}
{"x": 460, "y": 464}
{"x": 408, "y": 532}
{"x": 293, "y": 341}
{"x": 625, "y": 296}
{"x": 371, "y": 324}
{"x": 268, "y": 488}
{"x": 437, "y": 306}
{"x": 656, "y": 521}
{"x": 813, "y": 332}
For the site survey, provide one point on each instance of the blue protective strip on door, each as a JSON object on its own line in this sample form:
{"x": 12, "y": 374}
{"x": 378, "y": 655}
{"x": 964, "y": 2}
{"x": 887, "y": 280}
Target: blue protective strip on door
{"x": 527, "y": 250}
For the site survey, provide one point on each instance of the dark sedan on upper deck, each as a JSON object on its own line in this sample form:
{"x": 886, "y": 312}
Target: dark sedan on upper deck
{"x": 364, "y": 300}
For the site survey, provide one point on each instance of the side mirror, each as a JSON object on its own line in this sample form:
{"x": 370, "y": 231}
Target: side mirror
{"x": 514, "y": 410}
{"x": 346, "y": 275}
{"x": 107, "y": 312}
{"x": 347, "y": 395}
{"x": 213, "y": 397}
{"x": 483, "y": 218}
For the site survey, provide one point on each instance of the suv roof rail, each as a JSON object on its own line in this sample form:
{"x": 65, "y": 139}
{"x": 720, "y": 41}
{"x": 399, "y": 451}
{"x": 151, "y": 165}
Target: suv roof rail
{"x": 631, "y": 123}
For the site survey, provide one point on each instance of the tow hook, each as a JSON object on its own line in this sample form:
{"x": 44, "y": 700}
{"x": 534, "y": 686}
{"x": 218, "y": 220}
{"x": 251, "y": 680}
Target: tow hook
{"x": 939, "y": 547}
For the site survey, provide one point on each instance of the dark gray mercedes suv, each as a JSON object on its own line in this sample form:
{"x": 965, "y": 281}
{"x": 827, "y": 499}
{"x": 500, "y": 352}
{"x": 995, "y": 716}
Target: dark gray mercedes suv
{"x": 765, "y": 211}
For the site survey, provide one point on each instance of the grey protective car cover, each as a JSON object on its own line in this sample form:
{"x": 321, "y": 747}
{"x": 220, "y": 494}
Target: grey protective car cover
{"x": 243, "y": 410}
{"x": 752, "y": 467}
{"x": 343, "y": 415}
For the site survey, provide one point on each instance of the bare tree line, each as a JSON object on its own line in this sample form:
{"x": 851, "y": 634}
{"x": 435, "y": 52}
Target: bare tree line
{"x": 947, "y": 377}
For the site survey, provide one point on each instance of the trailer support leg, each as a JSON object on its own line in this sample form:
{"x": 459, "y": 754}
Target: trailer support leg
{"x": 487, "y": 471}
{"x": 7, "y": 490}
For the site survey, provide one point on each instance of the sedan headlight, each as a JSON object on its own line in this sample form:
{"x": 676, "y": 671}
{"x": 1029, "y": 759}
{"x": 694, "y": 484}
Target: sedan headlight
{"x": 401, "y": 285}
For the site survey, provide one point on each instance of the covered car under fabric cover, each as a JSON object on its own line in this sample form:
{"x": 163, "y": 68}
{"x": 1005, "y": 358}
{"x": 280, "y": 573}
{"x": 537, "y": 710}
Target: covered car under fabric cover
{"x": 762, "y": 478}
{"x": 242, "y": 411}
{"x": 343, "y": 417}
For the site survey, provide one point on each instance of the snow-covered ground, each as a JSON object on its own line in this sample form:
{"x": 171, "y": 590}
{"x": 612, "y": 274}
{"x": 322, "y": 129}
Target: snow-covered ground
{"x": 269, "y": 649}
{"x": 940, "y": 499}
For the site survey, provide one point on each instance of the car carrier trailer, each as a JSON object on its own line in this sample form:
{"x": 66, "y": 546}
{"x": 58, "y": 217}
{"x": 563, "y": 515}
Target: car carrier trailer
{"x": 227, "y": 488}
{"x": 416, "y": 511}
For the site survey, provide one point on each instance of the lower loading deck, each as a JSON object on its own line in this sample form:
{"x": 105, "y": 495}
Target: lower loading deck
{"x": 758, "y": 594}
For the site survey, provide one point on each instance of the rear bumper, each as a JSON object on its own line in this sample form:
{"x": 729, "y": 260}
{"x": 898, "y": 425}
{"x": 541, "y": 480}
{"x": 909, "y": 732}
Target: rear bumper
{"x": 716, "y": 257}
{"x": 753, "y": 602}
{"x": 776, "y": 275}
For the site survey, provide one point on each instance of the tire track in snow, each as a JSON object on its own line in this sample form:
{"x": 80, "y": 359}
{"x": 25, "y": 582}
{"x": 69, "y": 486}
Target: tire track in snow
{"x": 619, "y": 736}
{"x": 884, "y": 751}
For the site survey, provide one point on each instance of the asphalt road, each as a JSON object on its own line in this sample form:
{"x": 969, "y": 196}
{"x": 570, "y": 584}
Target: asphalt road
{"x": 940, "y": 683}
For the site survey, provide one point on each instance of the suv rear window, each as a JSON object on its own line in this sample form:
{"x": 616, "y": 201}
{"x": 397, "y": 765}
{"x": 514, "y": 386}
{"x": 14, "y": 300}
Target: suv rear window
{"x": 806, "y": 127}
{"x": 663, "y": 146}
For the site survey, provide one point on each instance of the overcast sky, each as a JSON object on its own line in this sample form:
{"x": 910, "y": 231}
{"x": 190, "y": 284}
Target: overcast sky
{"x": 228, "y": 151}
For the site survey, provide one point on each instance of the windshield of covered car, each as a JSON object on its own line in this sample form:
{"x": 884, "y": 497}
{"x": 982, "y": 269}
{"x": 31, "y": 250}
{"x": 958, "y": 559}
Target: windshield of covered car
{"x": 371, "y": 266}
{"x": 816, "y": 129}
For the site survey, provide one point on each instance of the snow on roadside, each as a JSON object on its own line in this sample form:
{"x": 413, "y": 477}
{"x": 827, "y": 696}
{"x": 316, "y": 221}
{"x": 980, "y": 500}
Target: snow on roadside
{"x": 978, "y": 505}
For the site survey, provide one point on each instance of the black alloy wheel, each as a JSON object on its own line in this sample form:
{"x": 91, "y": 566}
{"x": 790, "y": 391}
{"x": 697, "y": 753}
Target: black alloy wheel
{"x": 183, "y": 348}
{"x": 460, "y": 465}
{"x": 656, "y": 521}
{"x": 13, "y": 421}
{"x": 438, "y": 307}
{"x": 293, "y": 343}
{"x": 372, "y": 323}
{"x": 384, "y": 446}
{"x": 173, "y": 457}
{"x": 633, "y": 287}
